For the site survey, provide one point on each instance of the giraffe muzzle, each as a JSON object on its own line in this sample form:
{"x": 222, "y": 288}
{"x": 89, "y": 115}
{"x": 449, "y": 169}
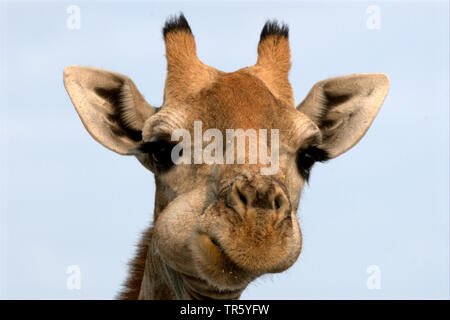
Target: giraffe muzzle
{"x": 260, "y": 198}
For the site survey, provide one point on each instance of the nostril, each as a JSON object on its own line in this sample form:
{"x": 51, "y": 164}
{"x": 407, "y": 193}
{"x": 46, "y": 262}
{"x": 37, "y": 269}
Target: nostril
{"x": 238, "y": 200}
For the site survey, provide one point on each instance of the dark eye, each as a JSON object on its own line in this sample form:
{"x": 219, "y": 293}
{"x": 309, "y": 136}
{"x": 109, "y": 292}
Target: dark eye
{"x": 306, "y": 159}
{"x": 160, "y": 153}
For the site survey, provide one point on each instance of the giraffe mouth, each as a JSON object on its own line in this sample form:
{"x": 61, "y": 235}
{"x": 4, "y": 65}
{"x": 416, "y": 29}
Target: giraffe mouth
{"x": 230, "y": 254}
{"x": 215, "y": 265}
{"x": 215, "y": 242}
{"x": 222, "y": 252}
{"x": 253, "y": 247}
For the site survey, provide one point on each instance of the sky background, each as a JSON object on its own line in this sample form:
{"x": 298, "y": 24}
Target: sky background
{"x": 65, "y": 200}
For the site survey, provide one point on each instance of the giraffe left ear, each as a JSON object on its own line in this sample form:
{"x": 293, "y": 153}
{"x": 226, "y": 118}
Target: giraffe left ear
{"x": 344, "y": 108}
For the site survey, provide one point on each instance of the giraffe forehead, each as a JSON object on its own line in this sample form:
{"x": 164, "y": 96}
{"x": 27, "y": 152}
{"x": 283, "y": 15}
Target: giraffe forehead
{"x": 235, "y": 100}
{"x": 239, "y": 100}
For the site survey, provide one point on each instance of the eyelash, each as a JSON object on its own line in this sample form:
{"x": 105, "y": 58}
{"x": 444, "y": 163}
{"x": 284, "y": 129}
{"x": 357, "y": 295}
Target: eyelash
{"x": 306, "y": 159}
{"x": 159, "y": 152}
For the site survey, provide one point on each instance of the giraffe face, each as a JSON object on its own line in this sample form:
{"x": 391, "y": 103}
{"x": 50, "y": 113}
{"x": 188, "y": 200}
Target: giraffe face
{"x": 227, "y": 223}
{"x": 221, "y": 224}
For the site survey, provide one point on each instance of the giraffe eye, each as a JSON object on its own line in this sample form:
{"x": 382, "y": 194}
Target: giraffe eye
{"x": 160, "y": 152}
{"x": 306, "y": 159}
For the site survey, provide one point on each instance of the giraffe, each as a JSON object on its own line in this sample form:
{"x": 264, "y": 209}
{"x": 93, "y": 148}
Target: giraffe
{"x": 217, "y": 227}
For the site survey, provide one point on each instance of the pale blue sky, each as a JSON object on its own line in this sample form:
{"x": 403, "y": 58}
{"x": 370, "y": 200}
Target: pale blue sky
{"x": 66, "y": 200}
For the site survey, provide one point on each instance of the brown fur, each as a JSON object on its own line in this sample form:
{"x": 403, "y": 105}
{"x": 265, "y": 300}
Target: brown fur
{"x": 186, "y": 74}
{"x": 273, "y": 65}
{"x": 132, "y": 285}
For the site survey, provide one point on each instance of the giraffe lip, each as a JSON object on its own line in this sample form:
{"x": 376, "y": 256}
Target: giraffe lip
{"x": 221, "y": 249}
{"x": 231, "y": 264}
{"x": 215, "y": 242}
{"x": 252, "y": 255}
{"x": 215, "y": 265}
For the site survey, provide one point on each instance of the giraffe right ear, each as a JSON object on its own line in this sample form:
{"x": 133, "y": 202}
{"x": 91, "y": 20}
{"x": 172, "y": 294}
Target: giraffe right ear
{"x": 110, "y": 106}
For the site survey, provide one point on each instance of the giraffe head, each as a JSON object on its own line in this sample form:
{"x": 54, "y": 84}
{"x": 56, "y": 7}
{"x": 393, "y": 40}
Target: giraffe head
{"x": 220, "y": 224}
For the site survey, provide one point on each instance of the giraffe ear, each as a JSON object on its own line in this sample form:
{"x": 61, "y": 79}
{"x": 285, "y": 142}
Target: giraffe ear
{"x": 344, "y": 108}
{"x": 109, "y": 105}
